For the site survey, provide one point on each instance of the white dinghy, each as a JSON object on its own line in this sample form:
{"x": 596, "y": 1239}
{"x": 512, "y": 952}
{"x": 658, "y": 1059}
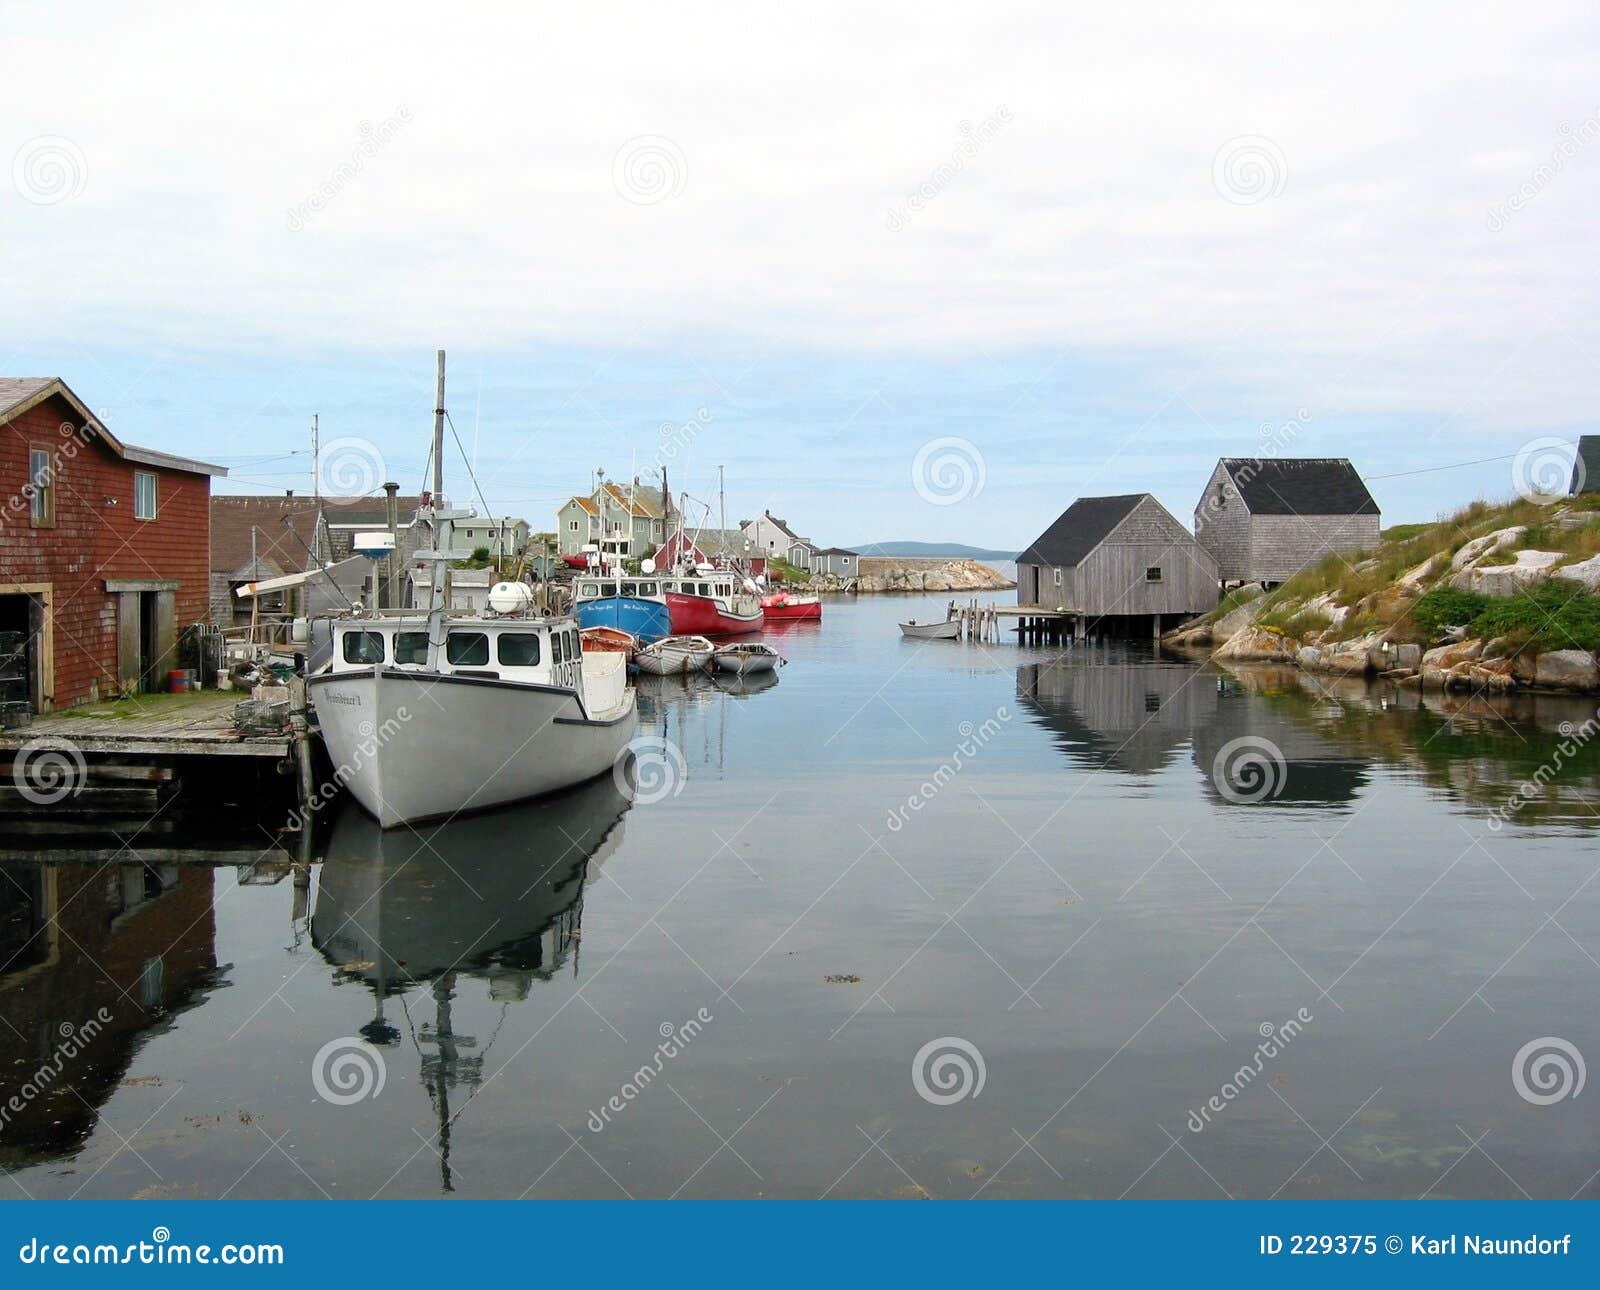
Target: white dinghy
{"x": 745, "y": 657}
{"x": 675, "y": 655}
{"x": 945, "y": 631}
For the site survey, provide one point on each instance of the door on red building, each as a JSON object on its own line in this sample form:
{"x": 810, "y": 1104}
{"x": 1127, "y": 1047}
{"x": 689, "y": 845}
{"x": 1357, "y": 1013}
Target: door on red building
{"x": 147, "y": 637}
{"x": 21, "y": 623}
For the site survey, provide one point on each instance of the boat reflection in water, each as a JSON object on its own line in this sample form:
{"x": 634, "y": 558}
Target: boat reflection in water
{"x": 495, "y": 896}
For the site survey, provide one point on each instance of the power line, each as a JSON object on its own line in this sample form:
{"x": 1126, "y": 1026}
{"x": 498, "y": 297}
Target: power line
{"x": 1455, "y": 465}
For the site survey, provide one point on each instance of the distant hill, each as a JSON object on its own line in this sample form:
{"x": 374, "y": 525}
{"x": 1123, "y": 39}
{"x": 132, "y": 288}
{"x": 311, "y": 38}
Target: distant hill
{"x": 931, "y": 549}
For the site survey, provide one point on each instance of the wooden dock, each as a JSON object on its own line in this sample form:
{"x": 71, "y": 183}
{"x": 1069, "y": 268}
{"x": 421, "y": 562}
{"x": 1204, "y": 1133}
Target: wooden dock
{"x": 1037, "y": 624}
{"x": 153, "y": 726}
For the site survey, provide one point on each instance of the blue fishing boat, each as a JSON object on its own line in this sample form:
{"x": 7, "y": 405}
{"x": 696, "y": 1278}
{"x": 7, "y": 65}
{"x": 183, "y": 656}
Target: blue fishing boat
{"x": 633, "y": 605}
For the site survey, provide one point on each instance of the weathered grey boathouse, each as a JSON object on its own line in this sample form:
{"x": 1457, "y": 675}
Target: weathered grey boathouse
{"x": 1114, "y": 564}
{"x": 1264, "y": 519}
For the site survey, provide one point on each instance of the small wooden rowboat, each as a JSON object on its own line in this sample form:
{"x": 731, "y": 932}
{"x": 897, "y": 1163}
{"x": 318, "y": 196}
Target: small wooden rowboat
{"x": 784, "y": 608}
{"x": 675, "y": 656}
{"x": 608, "y": 640}
{"x": 745, "y": 657}
{"x": 945, "y": 631}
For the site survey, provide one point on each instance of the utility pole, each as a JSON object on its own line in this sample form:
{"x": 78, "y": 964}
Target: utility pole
{"x": 316, "y": 461}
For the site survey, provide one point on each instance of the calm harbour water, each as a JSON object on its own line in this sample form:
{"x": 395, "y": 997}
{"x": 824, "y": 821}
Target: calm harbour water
{"x": 1075, "y": 906}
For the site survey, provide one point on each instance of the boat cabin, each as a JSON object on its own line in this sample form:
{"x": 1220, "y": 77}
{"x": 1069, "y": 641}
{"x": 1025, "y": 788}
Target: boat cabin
{"x": 602, "y": 588}
{"x": 715, "y": 584}
{"x": 541, "y": 651}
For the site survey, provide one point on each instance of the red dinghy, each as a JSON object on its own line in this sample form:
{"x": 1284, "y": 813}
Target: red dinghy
{"x": 784, "y": 608}
{"x": 711, "y": 604}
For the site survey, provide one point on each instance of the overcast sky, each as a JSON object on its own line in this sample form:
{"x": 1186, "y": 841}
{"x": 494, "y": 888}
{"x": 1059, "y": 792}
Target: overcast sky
{"x": 1095, "y": 250}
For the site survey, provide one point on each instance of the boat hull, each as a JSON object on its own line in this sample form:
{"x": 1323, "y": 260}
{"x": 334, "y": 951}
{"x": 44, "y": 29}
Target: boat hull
{"x": 646, "y": 620}
{"x": 737, "y": 663}
{"x": 414, "y": 746}
{"x": 702, "y": 616}
{"x": 794, "y": 613}
{"x": 946, "y": 631}
{"x": 603, "y": 640}
{"x": 674, "y": 657}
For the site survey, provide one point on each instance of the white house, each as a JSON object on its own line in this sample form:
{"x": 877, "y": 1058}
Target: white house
{"x": 772, "y": 539}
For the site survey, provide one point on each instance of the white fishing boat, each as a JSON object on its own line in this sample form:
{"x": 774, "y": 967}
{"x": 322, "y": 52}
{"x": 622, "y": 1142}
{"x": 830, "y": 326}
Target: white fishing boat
{"x": 675, "y": 656}
{"x": 945, "y": 631}
{"x": 744, "y": 657}
{"x": 428, "y": 715}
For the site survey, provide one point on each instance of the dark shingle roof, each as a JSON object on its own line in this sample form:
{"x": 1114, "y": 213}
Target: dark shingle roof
{"x": 1300, "y": 486}
{"x": 1586, "y": 466}
{"x": 1081, "y": 527}
{"x": 286, "y": 548}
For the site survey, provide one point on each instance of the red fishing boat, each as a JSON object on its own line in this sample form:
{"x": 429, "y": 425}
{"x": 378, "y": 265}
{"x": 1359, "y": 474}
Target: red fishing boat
{"x": 712, "y": 603}
{"x": 785, "y": 608}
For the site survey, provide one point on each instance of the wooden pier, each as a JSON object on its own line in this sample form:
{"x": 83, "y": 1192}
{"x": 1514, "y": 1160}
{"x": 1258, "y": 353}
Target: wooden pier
{"x": 152, "y": 726}
{"x": 1036, "y": 624}
{"x": 127, "y": 758}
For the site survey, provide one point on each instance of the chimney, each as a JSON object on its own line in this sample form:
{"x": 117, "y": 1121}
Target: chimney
{"x": 288, "y": 492}
{"x": 391, "y": 490}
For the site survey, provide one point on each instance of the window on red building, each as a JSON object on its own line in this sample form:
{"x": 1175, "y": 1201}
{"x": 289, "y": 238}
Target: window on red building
{"x": 40, "y": 476}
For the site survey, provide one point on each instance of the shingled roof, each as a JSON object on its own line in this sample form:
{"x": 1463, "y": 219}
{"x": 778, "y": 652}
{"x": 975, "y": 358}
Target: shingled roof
{"x": 279, "y": 547}
{"x": 1081, "y": 527}
{"x": 1586, "y": 466}
{"x": 1300, "y": 486}
{"x": 19, "y": 394}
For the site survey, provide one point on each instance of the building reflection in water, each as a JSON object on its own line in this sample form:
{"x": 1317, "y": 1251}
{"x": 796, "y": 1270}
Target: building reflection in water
{"x": 96, "y": 955}
{"x": 497, "y": 897}
{"x": 1126, "y": 712}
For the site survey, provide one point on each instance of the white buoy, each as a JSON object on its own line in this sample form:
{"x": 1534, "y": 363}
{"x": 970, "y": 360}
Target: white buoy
{"x": 510, "y": 597}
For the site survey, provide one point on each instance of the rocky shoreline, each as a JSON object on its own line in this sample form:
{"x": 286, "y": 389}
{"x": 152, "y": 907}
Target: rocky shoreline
{"x": 1309, "y": 628}
{"x": 891, "y": 574}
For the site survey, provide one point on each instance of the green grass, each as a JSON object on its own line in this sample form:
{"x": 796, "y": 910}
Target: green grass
{"x": 1297, "y": 623}
{"x": 1404, "y": 532}
{"x": 1550, "y": 615}
{"x": 783, "y": 569}
{"x": 139, "y": 706}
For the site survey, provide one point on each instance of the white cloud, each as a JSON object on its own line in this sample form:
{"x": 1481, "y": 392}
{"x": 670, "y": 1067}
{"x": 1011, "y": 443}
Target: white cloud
{"x": 1089, "y": 223}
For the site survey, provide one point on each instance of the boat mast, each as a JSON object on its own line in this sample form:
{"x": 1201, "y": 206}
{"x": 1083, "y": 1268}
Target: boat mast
{"x": 441, "y": 539}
